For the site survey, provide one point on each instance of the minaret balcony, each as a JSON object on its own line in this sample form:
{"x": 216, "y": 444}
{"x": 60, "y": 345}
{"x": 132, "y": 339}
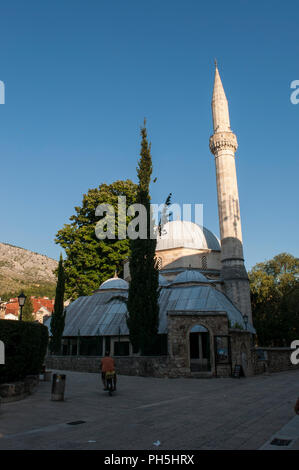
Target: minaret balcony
{"x": 223, "y": 141}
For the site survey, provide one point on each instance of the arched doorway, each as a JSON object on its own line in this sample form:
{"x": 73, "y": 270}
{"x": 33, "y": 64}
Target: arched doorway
{"x": 199, "y": 341}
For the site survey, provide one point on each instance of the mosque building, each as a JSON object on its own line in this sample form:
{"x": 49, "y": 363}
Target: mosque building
{"x": 205, "y": 323}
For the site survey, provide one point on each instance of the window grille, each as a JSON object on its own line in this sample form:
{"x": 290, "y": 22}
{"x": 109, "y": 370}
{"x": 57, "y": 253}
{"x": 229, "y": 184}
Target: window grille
{"x": 159, "y": 263}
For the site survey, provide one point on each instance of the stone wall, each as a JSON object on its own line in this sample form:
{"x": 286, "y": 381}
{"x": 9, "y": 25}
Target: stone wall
{"x": 187, "y": 257}
{"x": 278, "y": 359}
{"x": 145, "y": 366}
{"x": 183, "y": 258}
{"x": 149, "y": 366}
{"x": 241, "y": 350}
{"x": 14, "y": 391}
{"x": 272, "y": 360}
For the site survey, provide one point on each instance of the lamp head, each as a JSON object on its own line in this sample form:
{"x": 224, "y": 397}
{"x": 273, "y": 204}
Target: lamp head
{"x": 22, "y": 299}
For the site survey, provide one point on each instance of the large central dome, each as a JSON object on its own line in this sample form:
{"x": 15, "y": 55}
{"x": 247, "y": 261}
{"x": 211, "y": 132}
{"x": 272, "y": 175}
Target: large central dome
{"x": 184, "y": 234}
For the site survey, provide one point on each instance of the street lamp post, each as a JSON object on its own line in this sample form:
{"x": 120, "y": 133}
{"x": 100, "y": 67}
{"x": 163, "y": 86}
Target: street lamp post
{"x": 21, "y": 300}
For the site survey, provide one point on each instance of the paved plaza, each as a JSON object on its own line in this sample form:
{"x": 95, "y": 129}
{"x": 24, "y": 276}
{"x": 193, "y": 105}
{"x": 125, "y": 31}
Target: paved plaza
{"x": 177, "y": 414}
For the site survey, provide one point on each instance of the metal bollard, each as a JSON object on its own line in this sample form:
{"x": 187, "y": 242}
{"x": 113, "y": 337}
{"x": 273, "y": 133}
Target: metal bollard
{"x": 58, "y": 386}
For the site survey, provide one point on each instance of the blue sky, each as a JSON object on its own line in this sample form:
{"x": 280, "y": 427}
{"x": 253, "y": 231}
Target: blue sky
{"x": 80, "y": 77}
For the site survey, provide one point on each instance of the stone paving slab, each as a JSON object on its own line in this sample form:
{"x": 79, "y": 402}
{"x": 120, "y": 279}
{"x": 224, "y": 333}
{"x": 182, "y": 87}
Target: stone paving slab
{"x": 289, "y": 432}
{"x": 180, "y": 413}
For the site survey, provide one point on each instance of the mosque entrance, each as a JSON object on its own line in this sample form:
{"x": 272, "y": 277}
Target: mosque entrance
{"x": 199, "y": 341}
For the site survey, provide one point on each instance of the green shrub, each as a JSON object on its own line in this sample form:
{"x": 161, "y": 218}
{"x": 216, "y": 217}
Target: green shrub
{"x": 25, "y": 349}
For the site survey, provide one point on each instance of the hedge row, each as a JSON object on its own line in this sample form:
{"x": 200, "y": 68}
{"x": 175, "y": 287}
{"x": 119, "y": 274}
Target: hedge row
{"x": 25, "y": 349}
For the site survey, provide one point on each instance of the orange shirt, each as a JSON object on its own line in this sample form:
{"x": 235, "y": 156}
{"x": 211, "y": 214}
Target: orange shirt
{"x": 107, "y": 364}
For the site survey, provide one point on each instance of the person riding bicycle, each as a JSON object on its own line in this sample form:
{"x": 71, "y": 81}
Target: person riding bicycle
{"x": 107, "y": 365}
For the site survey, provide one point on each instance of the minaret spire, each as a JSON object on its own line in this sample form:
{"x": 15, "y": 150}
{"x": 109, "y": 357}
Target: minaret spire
{"x": 223, "y": 144}
{"x": 220, "y": 111}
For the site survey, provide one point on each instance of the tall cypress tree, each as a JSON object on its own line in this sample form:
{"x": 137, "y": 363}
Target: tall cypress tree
{"x": 27, "y": 313}
{"x": 58, "y": 316}
{"x": 143, "y": 307}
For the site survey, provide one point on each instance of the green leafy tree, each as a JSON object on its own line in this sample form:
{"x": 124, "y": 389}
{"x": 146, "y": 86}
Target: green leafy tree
{"x": 143, "y": 307}
{"x": 275, "y": 300}
{"x": 58, "y": 315}
{"x": 27, "y": 312}
{"x": 90, "y": 261}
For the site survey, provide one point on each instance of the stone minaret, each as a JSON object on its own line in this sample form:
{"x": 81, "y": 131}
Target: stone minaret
{"x": 223, "y": 144}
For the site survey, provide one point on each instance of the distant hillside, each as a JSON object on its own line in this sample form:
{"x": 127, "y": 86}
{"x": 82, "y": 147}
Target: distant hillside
{"x": 24, "y": 269}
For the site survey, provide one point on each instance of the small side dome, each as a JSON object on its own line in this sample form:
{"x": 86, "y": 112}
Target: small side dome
{"x": 190, "y": 276}
{"x": 114, "y": 283}
{"x": 162, "y": 281}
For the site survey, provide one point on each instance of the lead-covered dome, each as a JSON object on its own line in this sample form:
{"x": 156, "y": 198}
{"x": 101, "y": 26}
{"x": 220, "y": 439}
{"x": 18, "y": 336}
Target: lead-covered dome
{"x": 184, "y": 234}
{"x": 114, "y": 283}
{"x": 190, "y": 276}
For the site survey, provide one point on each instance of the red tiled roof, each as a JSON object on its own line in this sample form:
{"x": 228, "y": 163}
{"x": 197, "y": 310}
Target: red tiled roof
{"x": 13, "y": 305}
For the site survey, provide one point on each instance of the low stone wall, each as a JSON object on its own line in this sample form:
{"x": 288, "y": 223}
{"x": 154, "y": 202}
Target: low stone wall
{"x": 275, "y": 360}
{"x": 15, "y": 391}
{"x": 149, "y": 366}
{"x": 272, "y": 360}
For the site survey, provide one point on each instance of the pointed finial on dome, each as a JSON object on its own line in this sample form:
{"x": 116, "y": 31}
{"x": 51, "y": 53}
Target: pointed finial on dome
{"x": 215, "y": 62}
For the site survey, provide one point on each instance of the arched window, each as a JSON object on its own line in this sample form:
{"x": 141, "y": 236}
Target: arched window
{"x": 204, "y": 262}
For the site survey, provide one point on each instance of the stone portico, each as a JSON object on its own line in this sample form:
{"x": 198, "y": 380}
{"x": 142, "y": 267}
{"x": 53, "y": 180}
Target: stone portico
{"x": 238, "y": 343}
